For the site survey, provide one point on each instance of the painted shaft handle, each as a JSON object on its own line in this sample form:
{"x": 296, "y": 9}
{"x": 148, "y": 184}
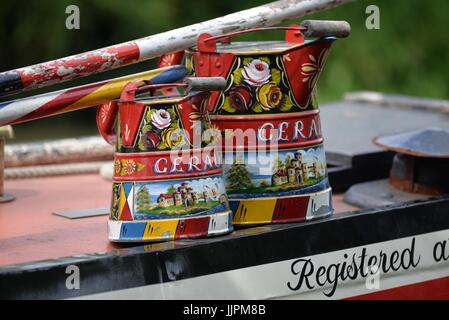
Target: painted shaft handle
{"x": 205, "y": 83}
{"x": 325, "y": 28}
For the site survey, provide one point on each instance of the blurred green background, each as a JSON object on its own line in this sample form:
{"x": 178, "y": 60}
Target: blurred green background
{"x": 407, "y": 55}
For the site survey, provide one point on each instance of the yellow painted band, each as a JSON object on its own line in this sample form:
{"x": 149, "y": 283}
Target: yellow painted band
{"x": 249, "y": 211}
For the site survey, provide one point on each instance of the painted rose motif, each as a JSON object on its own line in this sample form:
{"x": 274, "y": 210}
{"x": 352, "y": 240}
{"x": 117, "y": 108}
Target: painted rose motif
{"x": 161, "y": 130}
{"x": 256, "y": 72}
{"x": 161, "y": 119}
{"x": 256, "y": 88}
{"x": 269, "y": 96}
{"x": 240, "y": 98}
{"x": 172, "y": 137}
{"x": 151, "y": 140}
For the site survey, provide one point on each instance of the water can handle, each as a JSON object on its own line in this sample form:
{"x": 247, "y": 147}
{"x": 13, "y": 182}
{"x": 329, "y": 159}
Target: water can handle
{"x": 208, "y": 43}
{"x": 107, "y": 112}
{"x": 190, "y": 83}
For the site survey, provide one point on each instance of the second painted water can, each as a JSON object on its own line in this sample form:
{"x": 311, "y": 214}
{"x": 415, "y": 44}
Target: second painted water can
{"x": 274, "y": 159}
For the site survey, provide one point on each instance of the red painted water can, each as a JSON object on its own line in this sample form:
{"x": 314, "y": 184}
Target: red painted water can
{"x": 274, "y": 160}
{"x": 168, "y": 175}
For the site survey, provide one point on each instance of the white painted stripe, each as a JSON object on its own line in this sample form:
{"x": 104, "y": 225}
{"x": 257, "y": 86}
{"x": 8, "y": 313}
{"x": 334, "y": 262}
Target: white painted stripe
{"x": 269, "y": 281}
{"x": 130, "y": 200}
{"x": 114, "y": 228}
{"x": 219, "y": 223}
{"x": 320, "y": 204}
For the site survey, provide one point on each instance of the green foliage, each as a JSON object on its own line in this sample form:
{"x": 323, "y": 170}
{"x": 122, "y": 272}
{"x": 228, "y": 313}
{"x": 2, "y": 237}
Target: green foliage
{"x": 143, "y": 199}
{"x": 264, "y": 183}
{"x": 278, "y": 164}
{"x": 287, "y": 161}
{"x": 402, "y": 57}
{"x": 171, "y": 189}
{"x": 238, "y": 177}
{"x": 182, "y": 210}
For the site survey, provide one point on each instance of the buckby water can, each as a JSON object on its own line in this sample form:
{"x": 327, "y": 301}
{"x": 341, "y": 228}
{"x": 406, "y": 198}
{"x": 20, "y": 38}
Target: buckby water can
{"x": 274, "y": 159}
{"x": 165, "y": 185}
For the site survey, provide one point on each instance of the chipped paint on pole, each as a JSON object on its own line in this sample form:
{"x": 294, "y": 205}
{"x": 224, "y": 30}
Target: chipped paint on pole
{"x": 84, "y": 64}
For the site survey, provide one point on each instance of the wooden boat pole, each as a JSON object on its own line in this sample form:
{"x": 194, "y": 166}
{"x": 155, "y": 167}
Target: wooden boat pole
{"x": 100, "y": 60}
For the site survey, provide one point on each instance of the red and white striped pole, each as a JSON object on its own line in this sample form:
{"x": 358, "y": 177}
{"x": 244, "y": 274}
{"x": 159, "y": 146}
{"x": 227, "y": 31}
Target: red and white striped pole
{"x": 100, "y": 60}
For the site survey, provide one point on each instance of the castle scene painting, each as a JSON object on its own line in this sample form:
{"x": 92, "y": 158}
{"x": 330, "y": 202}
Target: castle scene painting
{"x": 176, "y": 198}
{"x": 274, "y": 173}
